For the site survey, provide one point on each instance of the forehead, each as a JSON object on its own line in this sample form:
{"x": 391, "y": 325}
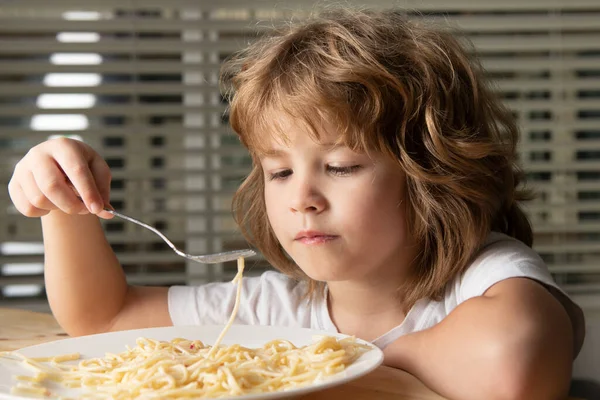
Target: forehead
{"x": 285, "y": 131}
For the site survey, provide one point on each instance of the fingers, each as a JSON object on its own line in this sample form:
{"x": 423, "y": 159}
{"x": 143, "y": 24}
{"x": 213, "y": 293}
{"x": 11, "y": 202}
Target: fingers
{"x": 51, "y": 181}
{"x": 61, "y": 174}
{"x": 22, "y": 203}
{"x": 74, "y": 165}
{"x": 102, "y": 177}
{"x": 33, "y": 193}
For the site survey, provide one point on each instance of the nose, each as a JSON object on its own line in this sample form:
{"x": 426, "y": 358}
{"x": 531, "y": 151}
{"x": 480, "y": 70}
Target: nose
{"x": 307, "y": 198}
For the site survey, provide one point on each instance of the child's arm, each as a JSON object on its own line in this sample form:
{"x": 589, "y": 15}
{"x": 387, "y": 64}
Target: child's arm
{"x": 515, "y": 342}
{"x": 85, "y": 283}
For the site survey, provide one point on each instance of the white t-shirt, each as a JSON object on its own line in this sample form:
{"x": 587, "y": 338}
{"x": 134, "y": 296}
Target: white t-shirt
{"x": 275, "y": 299}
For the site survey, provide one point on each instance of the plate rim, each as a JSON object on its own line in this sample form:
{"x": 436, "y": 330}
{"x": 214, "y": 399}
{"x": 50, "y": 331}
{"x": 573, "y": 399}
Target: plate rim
{"x": 375, "y": 360}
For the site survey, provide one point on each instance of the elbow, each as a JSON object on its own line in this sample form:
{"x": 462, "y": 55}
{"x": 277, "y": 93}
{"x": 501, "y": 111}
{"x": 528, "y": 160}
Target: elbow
{"x": 76, "y": 325}
{"x": 531, "y": 371}
{"x": 79, "y": 331}
{"x": 528, "y": 387}
{"x": 535, "y": 360}
{"x": 519, "y": 388}
{"x": 83, "y": 328}
{"x": 77, "y": 322}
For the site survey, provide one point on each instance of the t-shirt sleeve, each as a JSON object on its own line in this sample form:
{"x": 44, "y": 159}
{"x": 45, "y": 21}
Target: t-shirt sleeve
{"x": 270, "y": 299}
{"x": 502, "y": 259}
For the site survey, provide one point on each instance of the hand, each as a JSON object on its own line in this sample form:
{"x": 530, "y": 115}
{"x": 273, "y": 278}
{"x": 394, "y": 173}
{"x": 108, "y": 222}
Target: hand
{"x": 61, "y": 174}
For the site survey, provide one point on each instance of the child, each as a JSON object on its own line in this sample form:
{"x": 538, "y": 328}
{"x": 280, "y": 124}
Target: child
{"x": 383, "y": 187}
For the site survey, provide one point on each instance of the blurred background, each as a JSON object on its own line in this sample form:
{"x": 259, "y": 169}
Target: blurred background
{"x": 137, "y": 80}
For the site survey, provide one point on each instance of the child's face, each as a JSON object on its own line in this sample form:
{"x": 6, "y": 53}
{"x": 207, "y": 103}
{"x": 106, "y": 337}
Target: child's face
{"x": 339, "y": 214}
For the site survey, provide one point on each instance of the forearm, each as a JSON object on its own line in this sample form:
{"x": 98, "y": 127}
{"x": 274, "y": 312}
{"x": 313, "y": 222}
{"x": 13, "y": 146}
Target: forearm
{"x": 473, "y": 354}
{"x": 85, "y": 283}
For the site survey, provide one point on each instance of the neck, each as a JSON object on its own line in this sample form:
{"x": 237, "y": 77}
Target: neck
{"x": 366, "y": 308}
{"x": 364, "y": 299}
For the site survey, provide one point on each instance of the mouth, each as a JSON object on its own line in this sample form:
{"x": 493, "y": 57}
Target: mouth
{"x": 314, "y": 237}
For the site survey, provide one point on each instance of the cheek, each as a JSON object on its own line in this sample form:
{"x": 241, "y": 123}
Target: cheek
{"x": 378, "y": 217}
{"x": 272, "y": 205}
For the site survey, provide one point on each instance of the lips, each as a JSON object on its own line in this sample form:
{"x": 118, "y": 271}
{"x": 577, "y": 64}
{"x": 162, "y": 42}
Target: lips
{"x": 314, "y": 237}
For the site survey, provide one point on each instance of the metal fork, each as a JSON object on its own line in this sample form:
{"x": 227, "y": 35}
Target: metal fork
{"x": 205, "y": 259}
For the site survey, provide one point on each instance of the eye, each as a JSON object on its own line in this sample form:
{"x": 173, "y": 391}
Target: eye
{"x": 280, "y": 175}
{"x": 343, "y": 171}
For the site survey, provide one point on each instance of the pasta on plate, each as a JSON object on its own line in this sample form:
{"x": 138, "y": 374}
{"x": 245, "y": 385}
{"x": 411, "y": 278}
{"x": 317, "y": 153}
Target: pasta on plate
{"x": 183, "y": 368}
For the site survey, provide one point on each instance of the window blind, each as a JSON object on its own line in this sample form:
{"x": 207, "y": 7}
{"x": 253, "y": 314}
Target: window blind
{"x": 137, "y": 80}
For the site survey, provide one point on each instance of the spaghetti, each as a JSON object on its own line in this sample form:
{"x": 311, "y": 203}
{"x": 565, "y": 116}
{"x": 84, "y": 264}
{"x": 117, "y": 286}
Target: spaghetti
{"x": 183, "y": 368}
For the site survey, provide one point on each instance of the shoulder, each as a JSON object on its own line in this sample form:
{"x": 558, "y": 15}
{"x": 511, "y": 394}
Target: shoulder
{"x": 490, "y": 273}
{"x": 502, "y": 257}
{"x": 500, "y": 249}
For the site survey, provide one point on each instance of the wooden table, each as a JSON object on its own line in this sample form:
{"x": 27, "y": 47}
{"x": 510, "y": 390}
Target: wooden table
{"x": 20, "y": 328}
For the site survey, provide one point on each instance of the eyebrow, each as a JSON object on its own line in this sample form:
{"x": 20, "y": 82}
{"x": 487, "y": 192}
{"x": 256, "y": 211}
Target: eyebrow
{"x": 275, "y": 153}
{"x": 272, "y": 153}
{"x": 333, "y": 145}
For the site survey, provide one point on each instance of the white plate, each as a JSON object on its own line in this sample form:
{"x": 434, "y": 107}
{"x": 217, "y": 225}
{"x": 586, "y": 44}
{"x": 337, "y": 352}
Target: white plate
{"x": 247, "y": 335}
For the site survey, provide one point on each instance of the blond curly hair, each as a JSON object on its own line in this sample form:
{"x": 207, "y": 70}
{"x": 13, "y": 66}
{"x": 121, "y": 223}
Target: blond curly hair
{"x": 403, "y": 89}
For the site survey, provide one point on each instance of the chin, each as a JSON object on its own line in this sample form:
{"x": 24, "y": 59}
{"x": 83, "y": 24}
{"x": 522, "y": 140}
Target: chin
{"x": 325, "y": 266}
{"x": 326, "y": 274}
